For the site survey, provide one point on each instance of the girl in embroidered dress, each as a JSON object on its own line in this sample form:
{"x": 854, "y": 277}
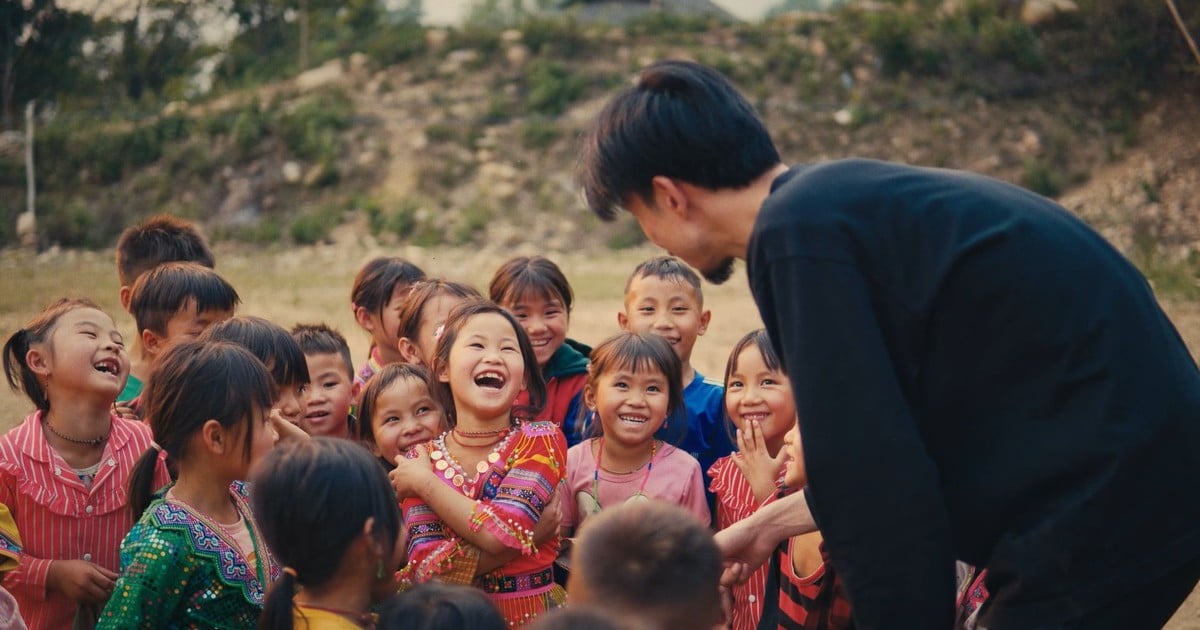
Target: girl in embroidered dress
{"x": 196, "y": 558}
{"x": 329, "y": 515}
{"x": 488, "y": 481}
{"x": 64, "y": 470}
{"x": 536, "y": 291}
{"x": 760, "y": 409}
{"x": 378, "y": 290}
{"x": 633, "y": 385}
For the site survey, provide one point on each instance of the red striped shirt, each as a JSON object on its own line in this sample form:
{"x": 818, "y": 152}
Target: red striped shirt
{"x": 735, "y": 501}
{"x": 59, "y": 517}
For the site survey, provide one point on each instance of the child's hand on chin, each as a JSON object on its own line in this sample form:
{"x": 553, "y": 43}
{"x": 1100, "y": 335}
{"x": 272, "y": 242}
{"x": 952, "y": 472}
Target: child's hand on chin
{"x": 284, "y": 428}
{"x": 411, "y": 468}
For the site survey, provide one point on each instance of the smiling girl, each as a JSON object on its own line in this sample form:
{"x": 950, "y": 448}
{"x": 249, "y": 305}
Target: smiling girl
{"x": 487, "y": 481}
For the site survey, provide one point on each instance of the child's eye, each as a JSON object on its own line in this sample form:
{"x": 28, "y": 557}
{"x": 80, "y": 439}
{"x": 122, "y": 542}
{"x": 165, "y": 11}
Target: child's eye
{"x": 680, "y": 309}
{"x": 89, "y": 334}
{"x": 646, "y": 309}
{"x": 621, "y": 385}
{"x": 734, "y": 385}
{"x": 475, "y": 344}
{"x": 422, "y": 411}
{"x": 520, "y": 316}
{"x": 653, "y": 388}
{"x": 391, "y": 419}
{"x": 769, "y": 381}
{"x": 509, "y": 349}
{"x": 553, "y": 312}
{"x": 329, "y": 384}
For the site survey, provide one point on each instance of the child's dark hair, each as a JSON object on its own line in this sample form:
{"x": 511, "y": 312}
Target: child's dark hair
{"x": 161, "y": 292}
{"x": 530, "y": 274}
{"x": 667, "y": 268}
{"x": 37, "y": 330}
{"x": 459, "y": 316}
{"x": 587, "y": 617}
{"x": 267, "y": 341}
{"x": 379, "y": 383}
{"x": 377, "y": 280}
{"x": 637, "y": 352}
{"x": 192, "y": 383}
{"x": 651, "y": 559}
{"x": 311, "y": 499}
{"x": 758, "y": 339}
{"x": 161, "y": 238}
{"x": 436, "y": 605}
{"x": 321, "y": 339}
{"x": 422, "y": 292}
{"x": 681, "y": 120}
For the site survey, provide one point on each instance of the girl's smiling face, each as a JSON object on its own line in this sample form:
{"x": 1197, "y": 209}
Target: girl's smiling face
{"x": 632, "y": 403}
{"x": 405, "y": 415}
{"x": 85, "y": 355}
{"x": 754, "y": 392}
{"x": 485, "y": 368}
{"x": 544, "y": 319}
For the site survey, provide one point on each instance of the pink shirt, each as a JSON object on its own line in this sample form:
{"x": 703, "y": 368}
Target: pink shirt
{"x": 675, "y": 477}
{"x": 59, "y": 517}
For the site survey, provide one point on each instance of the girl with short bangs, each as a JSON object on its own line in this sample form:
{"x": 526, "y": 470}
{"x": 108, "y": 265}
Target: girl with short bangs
{"x": 536, "y": 291}
{"x": 279, "y": 351}
{"x": 634, "y": 384}
{"x": 378, "y": 290}
{"x": 488, "y": 481}
{"x": 422, "y": 314}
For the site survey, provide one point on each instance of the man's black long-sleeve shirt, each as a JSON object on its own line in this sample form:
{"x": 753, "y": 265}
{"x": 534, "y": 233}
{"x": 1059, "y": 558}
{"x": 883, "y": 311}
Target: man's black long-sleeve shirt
{"x": 979, "y": 375}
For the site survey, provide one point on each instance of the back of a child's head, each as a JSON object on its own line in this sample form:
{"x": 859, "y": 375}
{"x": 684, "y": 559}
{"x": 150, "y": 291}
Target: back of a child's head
{"x": 321, "y": 339}
{"x": 376, "y": 282}
{"x": 38, "y": 330}
{"x": 584, "y": 617}
{"x": 651, "y": 559}
{"x": 638, "y": 352}
{"x": 459, "y": 317}
{"x": 161, "y": 292}
{"x": 668, "y": 268}
{"x": 192, "y": 383}
{"x": 435, "y": 605}
{"x": 412, "y": 309}
{"x": 270, "y": 342}
{"x": 160, "y": 239}
{"x": 382, "y": 381}
{"x": 312, "y": 500}
{"x": 530, "y": 275}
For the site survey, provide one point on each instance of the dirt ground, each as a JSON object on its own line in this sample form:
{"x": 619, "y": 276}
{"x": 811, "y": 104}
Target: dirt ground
{"x": 313, "y": 284}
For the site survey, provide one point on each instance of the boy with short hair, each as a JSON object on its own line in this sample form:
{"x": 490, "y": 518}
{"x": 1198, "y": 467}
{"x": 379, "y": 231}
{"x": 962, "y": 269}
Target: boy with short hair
{"x": 175, "y": 302}
{"x": 160, "y": 239}
{"x": 331, "y": 381}
{"x": 663, "y": 297}
{"x": 651, "y": 561}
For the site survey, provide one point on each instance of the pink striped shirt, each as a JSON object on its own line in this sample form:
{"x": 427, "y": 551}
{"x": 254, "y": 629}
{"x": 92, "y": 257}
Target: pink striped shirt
{"x": 59, "y": 517}
{"x": 735, "y": 501}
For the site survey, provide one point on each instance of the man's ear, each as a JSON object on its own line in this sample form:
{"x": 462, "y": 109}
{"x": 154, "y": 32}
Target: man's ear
{"x": 126, "y": 295}
{"x": 623, "y": 320}
{"x": 669, "y": 196}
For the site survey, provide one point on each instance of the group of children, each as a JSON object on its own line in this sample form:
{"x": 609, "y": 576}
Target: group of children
{"x": 236, "y": 474}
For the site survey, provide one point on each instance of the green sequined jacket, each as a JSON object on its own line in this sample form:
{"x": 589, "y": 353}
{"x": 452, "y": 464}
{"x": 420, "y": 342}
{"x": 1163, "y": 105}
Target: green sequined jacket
{"x": 178, "y": 570}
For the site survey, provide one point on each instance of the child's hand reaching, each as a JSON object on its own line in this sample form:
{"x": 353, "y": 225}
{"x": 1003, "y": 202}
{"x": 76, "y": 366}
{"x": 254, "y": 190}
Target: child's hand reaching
{"x": 756, "y": 463}
{"x": 411, "y": 470}
{"x": 80, "y": 580}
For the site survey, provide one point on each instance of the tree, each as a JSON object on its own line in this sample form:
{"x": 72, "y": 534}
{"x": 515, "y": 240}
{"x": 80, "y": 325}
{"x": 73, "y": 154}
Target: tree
{"x": 40, "y": 51}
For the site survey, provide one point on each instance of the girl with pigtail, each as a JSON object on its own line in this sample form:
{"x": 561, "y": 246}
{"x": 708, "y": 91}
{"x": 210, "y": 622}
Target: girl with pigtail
{"x": 64, "y": 470}
{"x": 196, "y": 558}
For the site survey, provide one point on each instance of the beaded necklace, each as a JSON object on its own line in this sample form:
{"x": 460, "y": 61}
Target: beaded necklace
{"x": 596, "y": 473}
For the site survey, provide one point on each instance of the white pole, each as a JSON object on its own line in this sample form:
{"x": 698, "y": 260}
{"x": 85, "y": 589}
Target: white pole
{"x": 27, "y": 221}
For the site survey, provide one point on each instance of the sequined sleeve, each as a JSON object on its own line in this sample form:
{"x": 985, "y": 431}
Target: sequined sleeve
{"x": 155, "y": 569}
{"x": 537, "y": 463}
